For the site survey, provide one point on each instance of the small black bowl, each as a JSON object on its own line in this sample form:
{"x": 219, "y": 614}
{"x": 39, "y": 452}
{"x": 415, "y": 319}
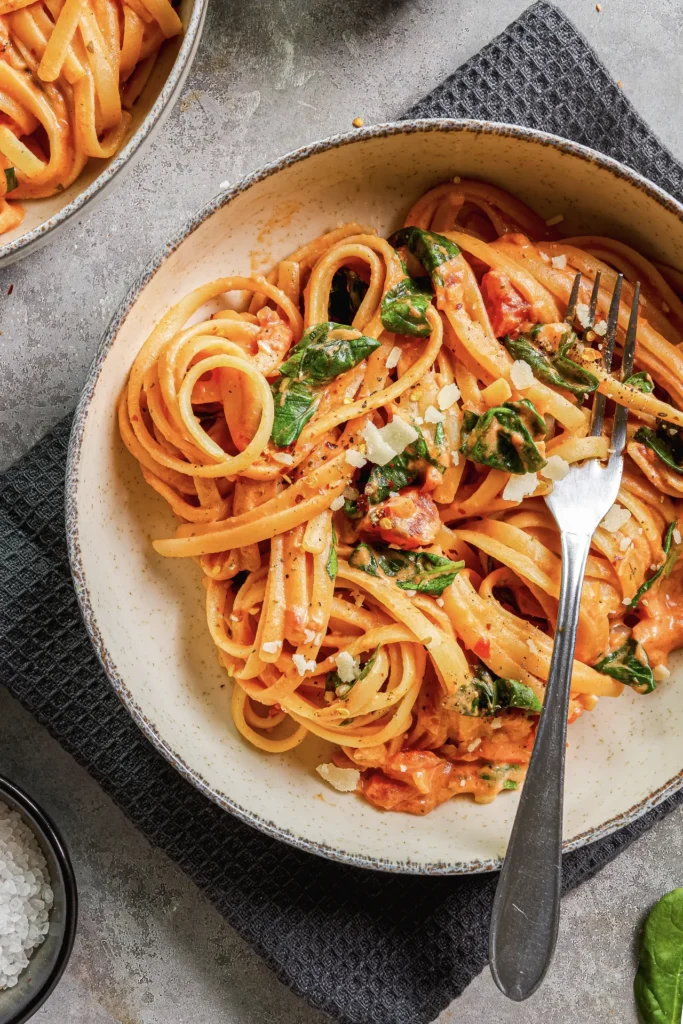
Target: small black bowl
{"x": 48, "y": 961}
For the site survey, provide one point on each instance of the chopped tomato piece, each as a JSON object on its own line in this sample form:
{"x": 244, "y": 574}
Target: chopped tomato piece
{"x": 482, "y": 648}
{"x": 507, "y": 309}
{"x": 409, "y": 520}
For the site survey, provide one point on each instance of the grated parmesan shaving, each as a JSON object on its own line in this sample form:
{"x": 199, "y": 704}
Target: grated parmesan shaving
{"x": 337, "y": 503}
{"x": 583, "y": 314}
{"x": 520, "y": 487}
{"x": 601, "y": 328}
{"x": 393, "y": 358}
{"x": 284, "y": 457}
{"x": 559, "y": 262}
{"x": 521, "y": 375}
{"x": 556, "y": 468}
{"x": 348, "y": 667}
{"x": 432, "y": 415}
{"x": 448, "y": 396}
{"x": 354, "y": 458}
{"x": 271, "y": 646}
{"x": 661, "y": 672}
{"x": 344, "y": 780}
{"x": 615, "y": 519}
{"x": 302, "y": 665}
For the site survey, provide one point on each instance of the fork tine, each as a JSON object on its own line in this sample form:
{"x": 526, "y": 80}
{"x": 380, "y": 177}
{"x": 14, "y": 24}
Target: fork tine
{"x": 594, "y": 300}
{"x": 608, "y": 355}
{"x": 573, "y": 298}
{"x": 621, "y": 414}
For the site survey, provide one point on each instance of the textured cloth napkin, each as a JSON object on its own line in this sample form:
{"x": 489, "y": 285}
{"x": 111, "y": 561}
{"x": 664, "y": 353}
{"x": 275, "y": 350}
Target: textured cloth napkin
{"x": 368, "y": 948}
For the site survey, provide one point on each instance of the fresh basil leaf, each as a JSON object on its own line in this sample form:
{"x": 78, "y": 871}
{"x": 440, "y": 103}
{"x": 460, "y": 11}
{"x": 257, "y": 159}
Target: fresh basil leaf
{"x": 351, "y": 510}
{"x": 341, "y": 689}
{"x": 629, "y": 664}
{"x": 401, "y": 471}
{"x": 658, "y": 985}
{"x": 295, "y": 402}
{"x": 428, "y": 247}
{"x": 558, "y": 369}
{"x": 672, "y": 553}
{"x": 326, "y": 351}
{"x": 363, "y": 557}
{"x": 10, "y": 179}
{"x": 666, "y": 442}
{"x": 487, "y": 693}
{"x": 422, "y": 571}
{"x": 641, "y": 382}
{"x": 332, "y": 564}
{"x": 404, "y": 309}
{"x": 346, "y": 296}
{"x": 503, "y": 437}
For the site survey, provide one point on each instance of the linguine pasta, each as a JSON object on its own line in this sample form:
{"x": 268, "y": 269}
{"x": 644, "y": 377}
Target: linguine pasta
{"x": 70, "y": 72}
{"x": 358, "y": 458}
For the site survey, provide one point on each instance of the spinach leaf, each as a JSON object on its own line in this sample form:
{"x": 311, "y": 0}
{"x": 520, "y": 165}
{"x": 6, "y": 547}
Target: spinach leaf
{"x": 487, "y": 693}
{"x": 641, "y": 382}
{"x": 346, "y": 295}
{"x": 672, "y": 553}
{"x": 341, "y": 689}
{"x": 503, "y": 437}
{"x": 295, "y": 403}
{"x": 351, "y": 509}
{"x": 429, "y": 248}
{"x": 629, "y": 664}
{"x": 325, "y": 351}
{"x": 658, "y": 985}
{"x": 402, "y": 470}
{"x": 439, "y": 436}
{"x": 332, "y": 564}
{"x": 666, "y": 442}
{"x": 11, "y": 179}
{"x": 412, "y": 570}
{"x": 557, "y": 369}
{"x": 404, "y": 309}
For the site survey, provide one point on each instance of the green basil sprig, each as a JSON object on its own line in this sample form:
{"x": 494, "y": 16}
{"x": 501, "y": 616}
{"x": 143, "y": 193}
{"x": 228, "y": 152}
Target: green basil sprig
{"x": 10, "y": 179}
{"x": 666, "y": 442}
{"x": 295, "y": 402}
{"x": 346, "y": 295}
{"x": 503, "y": 437}
{"x": 487, "y": 693}
{"x": 332, "y": 564}
{"x": 324, "y": 352}
{"x": 404, "y": 309}
{"x": 658, "y": 985}
{"x": 431, "y": 249}
{"x": 672, "y": 553}
{"x": 412, "y": 570}
{"x": 629, "y": 664}
{"x": 401, "y": 471}
{"x": 557, "y": 369}
{"x": 641, "y": 381}
{"x": 342, "y": 689}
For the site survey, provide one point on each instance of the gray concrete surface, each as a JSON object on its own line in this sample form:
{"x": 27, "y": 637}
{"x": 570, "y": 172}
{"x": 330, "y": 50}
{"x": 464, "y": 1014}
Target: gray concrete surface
{"x": 271, "y": 75}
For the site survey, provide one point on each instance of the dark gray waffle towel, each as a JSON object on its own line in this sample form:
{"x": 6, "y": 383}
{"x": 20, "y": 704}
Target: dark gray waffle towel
{"x": 367, "y": 948}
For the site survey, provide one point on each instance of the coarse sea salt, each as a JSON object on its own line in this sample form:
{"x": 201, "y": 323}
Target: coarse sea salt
{"x": 25, "y": 896}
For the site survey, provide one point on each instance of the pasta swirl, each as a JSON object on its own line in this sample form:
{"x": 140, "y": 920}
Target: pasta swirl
{"x": 357, "y": 446}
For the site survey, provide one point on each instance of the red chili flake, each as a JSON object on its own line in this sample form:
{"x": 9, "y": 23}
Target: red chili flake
{"x": 299, "y": 498}
{"x": 482, "y": 648}
{"x": 273, "y": 710}
{"x": 10, "y": 289}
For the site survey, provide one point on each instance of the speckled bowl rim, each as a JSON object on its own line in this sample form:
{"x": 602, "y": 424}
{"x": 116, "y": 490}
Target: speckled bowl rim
{"x": 446, "y": 125}
{"x": 10, "y": 252}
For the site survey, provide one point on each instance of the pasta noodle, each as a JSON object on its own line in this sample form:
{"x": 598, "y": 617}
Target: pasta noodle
{"x": 70, "y": 72}
{"x": 357, "y": 447}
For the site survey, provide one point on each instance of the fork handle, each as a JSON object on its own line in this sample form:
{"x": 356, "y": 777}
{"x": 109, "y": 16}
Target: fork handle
{"x": 526, "y": 909}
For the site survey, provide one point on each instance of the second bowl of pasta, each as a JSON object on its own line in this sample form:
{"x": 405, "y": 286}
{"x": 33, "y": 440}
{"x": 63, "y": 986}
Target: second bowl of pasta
{"x": 82, "y": 87}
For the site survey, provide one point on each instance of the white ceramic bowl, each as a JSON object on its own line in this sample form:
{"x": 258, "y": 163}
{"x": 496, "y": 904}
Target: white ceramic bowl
{"x": 145, "y": 613}
{"x": 45, "y": 217}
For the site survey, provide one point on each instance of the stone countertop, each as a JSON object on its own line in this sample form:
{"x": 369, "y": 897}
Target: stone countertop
{"x": 269, "y": 77}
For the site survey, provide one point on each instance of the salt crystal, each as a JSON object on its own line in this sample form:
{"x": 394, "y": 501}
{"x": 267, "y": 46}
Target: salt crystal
{"x": 26, "y": 897}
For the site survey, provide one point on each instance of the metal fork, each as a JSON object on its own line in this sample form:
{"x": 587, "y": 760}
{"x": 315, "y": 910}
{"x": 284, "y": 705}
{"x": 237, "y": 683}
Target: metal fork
{"x": 526, "y": 909}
